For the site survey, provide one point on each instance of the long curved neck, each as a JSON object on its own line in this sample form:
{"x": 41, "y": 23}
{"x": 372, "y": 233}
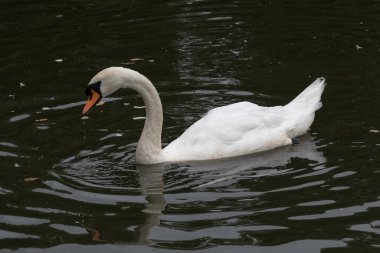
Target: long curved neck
{"x": 149, "y": 150}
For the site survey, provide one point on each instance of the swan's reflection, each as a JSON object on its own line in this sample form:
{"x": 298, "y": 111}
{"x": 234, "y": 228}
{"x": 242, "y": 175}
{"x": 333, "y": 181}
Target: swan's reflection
{"x": 152, "y": 183}
{"x": 255, "y": 165}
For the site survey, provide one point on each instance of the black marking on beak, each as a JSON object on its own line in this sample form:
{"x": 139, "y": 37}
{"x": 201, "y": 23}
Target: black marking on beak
{"x": 93, "y": 86}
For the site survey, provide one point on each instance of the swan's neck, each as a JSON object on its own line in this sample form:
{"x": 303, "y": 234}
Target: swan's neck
{"x": 149, "y": 150}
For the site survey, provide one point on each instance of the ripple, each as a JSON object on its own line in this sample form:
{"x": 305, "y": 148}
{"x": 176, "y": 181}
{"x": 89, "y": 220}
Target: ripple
{"x": 19, "y": 117}
{"x": 66, "y": 192}
{"x": 74, "y": 230}
{"x": 318, "y": 203}
{"x": 21, "y": 221}
{"x": 7, "y": 154}
{"x": 4, "y": 191}
{"x": 189, "y": 197}
{"x": 43, "y": 127}
{"x": 239, "y": 93}
{"x": 216, "y": 215}
{"x": 8, "y": 144}
{"x": 317, "y": 172}
{"x": 222, "y": 232}
{"x": 77, "y": 104}
{"x": 199, "y": 92}
{"x": 47, "y": 210}
{"x": 111, "y": 136}
{"x": 339, "y": 212}
{"x": 297, "y": 187}
{"x": 344, "y": 174}
{"x": 139, "y": 118}
{"x": 339, "y": 188}
{"x": 101, "y": 150}
{"x": 13, "y": 235}
{"x": 219, "y": 18}
{"x": 369, "y": 228}
{"x": 193, "y": 14}
{"x": 204, "y": 216}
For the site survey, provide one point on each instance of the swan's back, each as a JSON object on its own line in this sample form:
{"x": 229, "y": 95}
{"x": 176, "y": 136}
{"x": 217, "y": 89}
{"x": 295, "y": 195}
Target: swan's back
{"x": 244, "y": 128}
{"x": 228, "y": 131}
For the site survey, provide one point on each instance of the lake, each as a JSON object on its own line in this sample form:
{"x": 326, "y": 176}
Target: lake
{"x": 71, "y": 184}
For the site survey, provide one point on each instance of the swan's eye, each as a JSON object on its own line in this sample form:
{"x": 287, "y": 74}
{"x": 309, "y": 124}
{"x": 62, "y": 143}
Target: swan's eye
{"x": 93, "y": 86}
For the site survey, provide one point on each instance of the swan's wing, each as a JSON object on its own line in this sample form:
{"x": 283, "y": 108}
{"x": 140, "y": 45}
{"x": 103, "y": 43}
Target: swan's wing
{"x": 234, "y": 129}
{"x": 234, "y": 122}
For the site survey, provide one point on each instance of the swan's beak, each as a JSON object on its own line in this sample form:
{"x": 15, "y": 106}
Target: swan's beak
{"x": 93, "y": 99}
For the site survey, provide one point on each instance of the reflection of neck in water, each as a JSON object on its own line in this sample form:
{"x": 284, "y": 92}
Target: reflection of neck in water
{"x": 153, "y": 186}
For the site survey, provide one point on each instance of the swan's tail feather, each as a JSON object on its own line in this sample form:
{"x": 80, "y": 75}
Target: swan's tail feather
{"x": 301, "y": 109}
{"x": 311, "y": 96}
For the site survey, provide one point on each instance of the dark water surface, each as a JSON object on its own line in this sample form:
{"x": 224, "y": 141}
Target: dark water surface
{"x": 71, "y": 185}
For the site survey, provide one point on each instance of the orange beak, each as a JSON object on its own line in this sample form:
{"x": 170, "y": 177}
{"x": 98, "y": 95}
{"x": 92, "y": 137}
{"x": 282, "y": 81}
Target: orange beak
{"x": 92, "y": 101}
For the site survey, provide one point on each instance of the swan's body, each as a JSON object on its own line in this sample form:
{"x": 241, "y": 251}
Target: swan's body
{"x": 226, "y": 131}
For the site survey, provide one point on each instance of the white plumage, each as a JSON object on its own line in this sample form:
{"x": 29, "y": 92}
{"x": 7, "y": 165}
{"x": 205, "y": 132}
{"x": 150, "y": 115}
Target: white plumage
{"x": 226, "y": 131}
{"x": 244, "y": 128}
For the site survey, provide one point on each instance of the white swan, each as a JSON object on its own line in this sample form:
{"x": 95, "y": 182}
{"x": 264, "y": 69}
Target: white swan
{"x": 226, "y": 131}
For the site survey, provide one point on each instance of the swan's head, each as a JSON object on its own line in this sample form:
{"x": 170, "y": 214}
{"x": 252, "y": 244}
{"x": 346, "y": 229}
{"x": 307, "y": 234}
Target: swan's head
{"x": 103, "y": 84}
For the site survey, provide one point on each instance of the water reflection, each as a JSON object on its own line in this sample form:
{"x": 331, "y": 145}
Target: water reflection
{"x": 267, "y": 163}
{"x": 151, "y": 180}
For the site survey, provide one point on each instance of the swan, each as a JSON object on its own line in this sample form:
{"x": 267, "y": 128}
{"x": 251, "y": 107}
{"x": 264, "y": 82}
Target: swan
{"x": 228, "y": 131}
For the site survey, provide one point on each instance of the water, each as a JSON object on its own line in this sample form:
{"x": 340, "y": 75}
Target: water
{"x": 70, "y": 184}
